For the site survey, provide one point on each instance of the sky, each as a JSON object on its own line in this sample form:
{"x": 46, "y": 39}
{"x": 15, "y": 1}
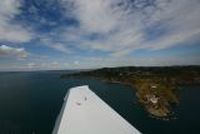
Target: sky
{"x": 82, "y": 34}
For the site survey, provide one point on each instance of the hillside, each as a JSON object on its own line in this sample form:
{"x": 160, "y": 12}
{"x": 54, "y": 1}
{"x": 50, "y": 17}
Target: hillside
{"x": 156, "y": 86}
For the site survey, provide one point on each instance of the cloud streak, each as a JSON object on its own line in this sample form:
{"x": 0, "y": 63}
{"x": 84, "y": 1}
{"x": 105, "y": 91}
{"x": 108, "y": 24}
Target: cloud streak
{"x": 94, "y": 33}
{"x": 11, "y": 31}
{"x": 121, "y": 26}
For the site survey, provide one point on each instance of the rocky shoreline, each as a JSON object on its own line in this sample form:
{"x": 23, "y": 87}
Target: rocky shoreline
{"x": 154, "y": 103}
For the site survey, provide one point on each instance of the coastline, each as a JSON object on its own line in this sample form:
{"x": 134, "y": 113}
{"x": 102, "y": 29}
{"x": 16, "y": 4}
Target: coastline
{"x": 156, "y": 88}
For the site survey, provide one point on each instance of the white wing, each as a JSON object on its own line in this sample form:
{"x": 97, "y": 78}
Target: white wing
{"x": 85, "y": 113}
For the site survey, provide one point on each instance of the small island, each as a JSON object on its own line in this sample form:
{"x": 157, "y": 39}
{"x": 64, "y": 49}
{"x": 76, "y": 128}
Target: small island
{"x": 156, "y": 87}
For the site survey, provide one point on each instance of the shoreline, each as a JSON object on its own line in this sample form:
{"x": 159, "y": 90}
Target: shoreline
{"x": 156, "y": 88}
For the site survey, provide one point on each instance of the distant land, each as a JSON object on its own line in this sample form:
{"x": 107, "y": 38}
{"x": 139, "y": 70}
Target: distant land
{"x": 156, "y": 87}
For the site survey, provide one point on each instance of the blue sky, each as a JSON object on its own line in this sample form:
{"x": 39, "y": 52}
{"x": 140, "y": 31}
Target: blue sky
{"x": 74, "y": 34}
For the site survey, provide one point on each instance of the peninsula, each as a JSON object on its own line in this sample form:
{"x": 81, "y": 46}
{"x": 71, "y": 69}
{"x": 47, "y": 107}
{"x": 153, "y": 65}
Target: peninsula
{"x": 156, "y": 87}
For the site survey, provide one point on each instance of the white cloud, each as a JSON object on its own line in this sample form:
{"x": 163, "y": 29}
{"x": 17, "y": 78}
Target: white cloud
{"x": 76, "y": 62}
{"x": 12, "y": 31}
{"x": 95, "y": 16}
{"x": 122, "y": 24}
{"x": 13, "y": 52}
{"x": 49, "y": 42}
{"x": 116, "y": 27}
{"x": 60, "y": 47}
{"x": 31, "y": 65}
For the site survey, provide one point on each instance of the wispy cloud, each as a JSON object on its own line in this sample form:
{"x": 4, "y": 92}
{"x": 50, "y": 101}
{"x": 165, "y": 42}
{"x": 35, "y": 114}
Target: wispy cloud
{"x": 97, "y": 33}
{"x": 121, "y": 26}
{"x": 61, "y": 47}
{"x": 9, "y": 30}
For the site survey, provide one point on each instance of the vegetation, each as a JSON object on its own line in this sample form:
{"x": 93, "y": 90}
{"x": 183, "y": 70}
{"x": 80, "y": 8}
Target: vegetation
{"x": 156, "y": 86}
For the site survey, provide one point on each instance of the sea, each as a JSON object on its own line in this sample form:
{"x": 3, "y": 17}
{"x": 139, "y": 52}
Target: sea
{"x": 31, "y": 101}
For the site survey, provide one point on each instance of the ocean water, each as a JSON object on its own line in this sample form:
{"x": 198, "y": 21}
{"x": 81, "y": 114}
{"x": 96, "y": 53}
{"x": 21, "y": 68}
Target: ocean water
{"x": 30, "y": 103}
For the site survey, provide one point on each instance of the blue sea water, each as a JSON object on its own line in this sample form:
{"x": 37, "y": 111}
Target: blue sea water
{"x": 30, "y": 103}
